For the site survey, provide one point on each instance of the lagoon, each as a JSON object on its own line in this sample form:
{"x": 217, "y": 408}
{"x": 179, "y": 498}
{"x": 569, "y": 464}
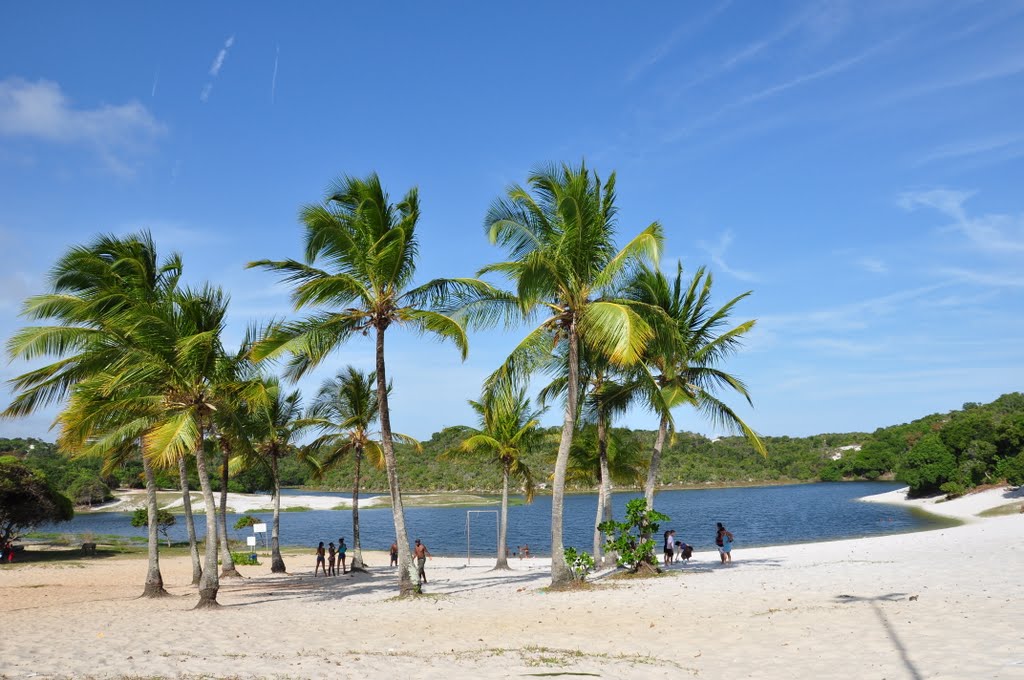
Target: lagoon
{"x": 757, "y": 516}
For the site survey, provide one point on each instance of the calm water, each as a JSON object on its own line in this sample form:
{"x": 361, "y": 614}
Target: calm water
{"x": 756, "y": 516}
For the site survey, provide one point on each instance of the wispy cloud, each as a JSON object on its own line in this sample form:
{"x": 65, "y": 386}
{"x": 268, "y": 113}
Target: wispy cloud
{"x": 999, "y": 144}
{"x": 156, "y": 81}
{"x": 871, "y": 264}
{"x": 994, "y": 233}
{"x": 218, "y": 63}
{"x": 273, "y": 79}
{"x": 717, "y": 253}
{"x": 41, "y": 110}
{"x": 986, "y": 278}
{"x": 666, "y": 47}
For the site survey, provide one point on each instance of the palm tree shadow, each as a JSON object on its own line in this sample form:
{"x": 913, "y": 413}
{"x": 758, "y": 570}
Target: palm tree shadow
{"x": 887, "y": 626}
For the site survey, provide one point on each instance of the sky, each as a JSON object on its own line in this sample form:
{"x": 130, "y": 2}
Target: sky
{"x": 857, "y": 165}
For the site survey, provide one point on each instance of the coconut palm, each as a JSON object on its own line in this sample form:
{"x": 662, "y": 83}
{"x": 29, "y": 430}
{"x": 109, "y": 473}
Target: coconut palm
{"x": 508, "y": 429}
{"x": 682, "y": 362}
{"x": 266, "y": 431}
{"x": 99, "y": 293}
{"x": 563, "y": 262}
{"x": 360, "y": 260}
{"x": 343, "y": 413}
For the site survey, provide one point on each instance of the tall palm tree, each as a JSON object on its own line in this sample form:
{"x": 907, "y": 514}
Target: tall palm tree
{"x": 508, "y": 428}
{"x": 360, "y": 260}
{"x": 560, "y": 241}
{"x": 343, "y": 413}
{"x": 99, "y": 293}
{"x": 267, "y": 431}
{"x": 682, "y": 362}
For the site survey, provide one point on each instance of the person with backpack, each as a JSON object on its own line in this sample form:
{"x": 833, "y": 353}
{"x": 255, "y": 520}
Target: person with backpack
{"x": 723, "y": 539}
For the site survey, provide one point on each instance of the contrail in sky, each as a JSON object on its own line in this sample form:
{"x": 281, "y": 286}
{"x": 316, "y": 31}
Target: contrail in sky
{"x": 273, "y": 81}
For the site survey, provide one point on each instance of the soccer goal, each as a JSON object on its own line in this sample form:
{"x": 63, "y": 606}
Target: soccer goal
{"x": 469, "y": 527}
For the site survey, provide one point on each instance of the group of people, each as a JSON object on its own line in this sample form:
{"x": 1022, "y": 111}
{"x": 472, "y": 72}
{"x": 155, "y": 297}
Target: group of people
{"x": 7, "y": 552}
{"x": 328, "y": 561}
{"x": 678, "y": 551}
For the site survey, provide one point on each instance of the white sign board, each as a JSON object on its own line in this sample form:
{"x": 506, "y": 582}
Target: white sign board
{"x": 259, "y": 528}
{"x": 250, "y": 540}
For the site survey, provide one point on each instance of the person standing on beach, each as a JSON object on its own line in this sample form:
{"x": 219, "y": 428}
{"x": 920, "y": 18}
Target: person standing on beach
{"x": 670, "y": 539}
{"x": 723, "y": 539}
{"x": 421, "y": 554}
{"x": 320, "y": 563}
{"x": 394, "y": 554}
{"x": 331, "y": 570}
{"x": 341, "y": 553}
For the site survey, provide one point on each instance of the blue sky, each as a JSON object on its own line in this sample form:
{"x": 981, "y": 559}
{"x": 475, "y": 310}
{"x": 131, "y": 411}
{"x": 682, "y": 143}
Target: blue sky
{"x": 857, "y": 165}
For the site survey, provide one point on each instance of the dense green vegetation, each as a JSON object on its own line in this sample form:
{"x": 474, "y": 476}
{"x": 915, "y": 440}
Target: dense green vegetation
{"x": 949, "y": 452}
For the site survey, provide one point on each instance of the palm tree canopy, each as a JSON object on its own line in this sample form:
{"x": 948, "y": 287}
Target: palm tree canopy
{"x": 507, "y": 430}
{"x": 627, "y": 463}
{"x": 360, "y": 260}
{"x": 684, "y": 361}
{"x": 560, "y": 238}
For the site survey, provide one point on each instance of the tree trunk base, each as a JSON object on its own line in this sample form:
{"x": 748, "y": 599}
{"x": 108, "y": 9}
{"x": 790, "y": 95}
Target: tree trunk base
{"x": 277, "y": 566}
{"x": 207, "y": 599}
{"x": 361, "y": 570}
{"x": 647, "y": 569}
{"x": 230, "y": 573}
{"x": 154, "y": 590}
{"x": 502, "y": 566}
{"x": 196, "y": 580}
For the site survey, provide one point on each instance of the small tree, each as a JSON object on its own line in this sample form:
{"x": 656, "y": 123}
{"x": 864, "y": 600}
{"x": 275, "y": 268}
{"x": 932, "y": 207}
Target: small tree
{"x": 88, "y": 489}
{"x": 247, "y": 521}
{"x": 579, "y": 563}
{"x": 631, "y": 539}
{"x": 164, "y": 521}
{"x": 27, "y": 500}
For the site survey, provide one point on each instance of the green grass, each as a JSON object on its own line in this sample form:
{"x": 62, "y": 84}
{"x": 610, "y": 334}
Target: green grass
{"x": 1008, "y": 509}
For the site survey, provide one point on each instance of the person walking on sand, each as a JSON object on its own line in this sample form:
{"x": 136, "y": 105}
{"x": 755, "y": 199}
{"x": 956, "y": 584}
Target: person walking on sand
{"x": 341, "y": 553}
{"x": 331, "y": 570}
{"x": 394, "y": 554}
{"x": 723, "y": 539}
{"x": 421, "y": 554}
{"x": 320, "y": 563}
{"x": 670, "y": 539}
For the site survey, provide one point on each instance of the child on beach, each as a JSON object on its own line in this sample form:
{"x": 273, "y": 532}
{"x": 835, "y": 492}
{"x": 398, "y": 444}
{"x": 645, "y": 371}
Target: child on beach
{"x": 341, "y": 553}
{"x": 330, "y": 561}
{"x": 394, "y": 555}
{"x": 723, "y": 539}
{"x": 320, "y": 563}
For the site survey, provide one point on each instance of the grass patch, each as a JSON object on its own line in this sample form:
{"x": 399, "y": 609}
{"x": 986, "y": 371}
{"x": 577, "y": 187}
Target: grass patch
{"x": 297, "y": 508}
{"x": 999, "y": 511}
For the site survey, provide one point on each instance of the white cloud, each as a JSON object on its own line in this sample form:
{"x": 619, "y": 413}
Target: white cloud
{"x": 717, "y": 252}
{"x": 273, "y": 79}
{"x": 218, "y": 63}
{"x": 872, "y": 264}
{"x": 666, "y": 47}
{"x": 1007, "y": 145}
{"x": 41, "y": 110}
{"x": 995, "y": 233}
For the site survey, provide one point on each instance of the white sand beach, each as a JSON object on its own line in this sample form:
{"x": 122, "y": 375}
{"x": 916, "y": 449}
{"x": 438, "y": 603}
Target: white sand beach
{"x": 243, "y": 502}
{"x": 935, "y": 604}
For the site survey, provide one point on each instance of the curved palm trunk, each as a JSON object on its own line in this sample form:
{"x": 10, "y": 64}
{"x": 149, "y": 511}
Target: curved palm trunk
{"x": 605, "y": 493}
{"x": 190, "y": 522}
{"x": 357, "y": 547}
{"x": 405, "y": 585}
{"x": 210, "y": 583}
{"x": 276, "y": 561}
{"x": 227, "y": 562}
{"x": 652, "y": 471}
{"x": 154, "y": 580}
{"x": 560, "y": 574}
{"x": 502, "y": 562}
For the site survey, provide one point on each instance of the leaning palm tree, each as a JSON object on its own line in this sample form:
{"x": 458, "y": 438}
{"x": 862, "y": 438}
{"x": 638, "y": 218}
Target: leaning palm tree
{"x": 508, "y": 429}
{"x": 681, "y": 364}
{"x": 563, "y": 261}
{"x": 99, "y": 295}
{"x": 343, "y": 413}
{"x": 360, "y": 260}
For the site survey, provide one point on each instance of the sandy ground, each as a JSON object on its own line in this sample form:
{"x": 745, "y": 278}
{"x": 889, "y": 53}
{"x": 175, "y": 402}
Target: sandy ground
{"x": 241, "y": 502}
{"x": 937, "y": 604}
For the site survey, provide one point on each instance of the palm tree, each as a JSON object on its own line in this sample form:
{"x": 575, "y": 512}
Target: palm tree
{"x": 563, "y": 261}
{"x": 99, "y": 293}
{"x": 360, "y": 259}
{"x": 682, "y": 362}
{"x": 599, "y": 457}
{"x": 344, "y": 410}
{"x": 267, "y": 431}
{"x": 508, "y": 428}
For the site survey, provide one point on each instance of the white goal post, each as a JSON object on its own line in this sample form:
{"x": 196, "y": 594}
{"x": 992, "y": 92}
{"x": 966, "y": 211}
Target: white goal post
{"x": 469, "y": 514}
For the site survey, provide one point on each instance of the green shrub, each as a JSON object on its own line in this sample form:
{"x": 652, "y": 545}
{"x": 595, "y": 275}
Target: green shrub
{"x": 247, "y": 521}
{"x": 245, "y": 559}
{"x": 632, "y": 539}
{"x": 1012, "y": 469}
{"x": 579, "y": 563}
{"x": 953, "y": 490}
{"x": 927, "y": 466}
